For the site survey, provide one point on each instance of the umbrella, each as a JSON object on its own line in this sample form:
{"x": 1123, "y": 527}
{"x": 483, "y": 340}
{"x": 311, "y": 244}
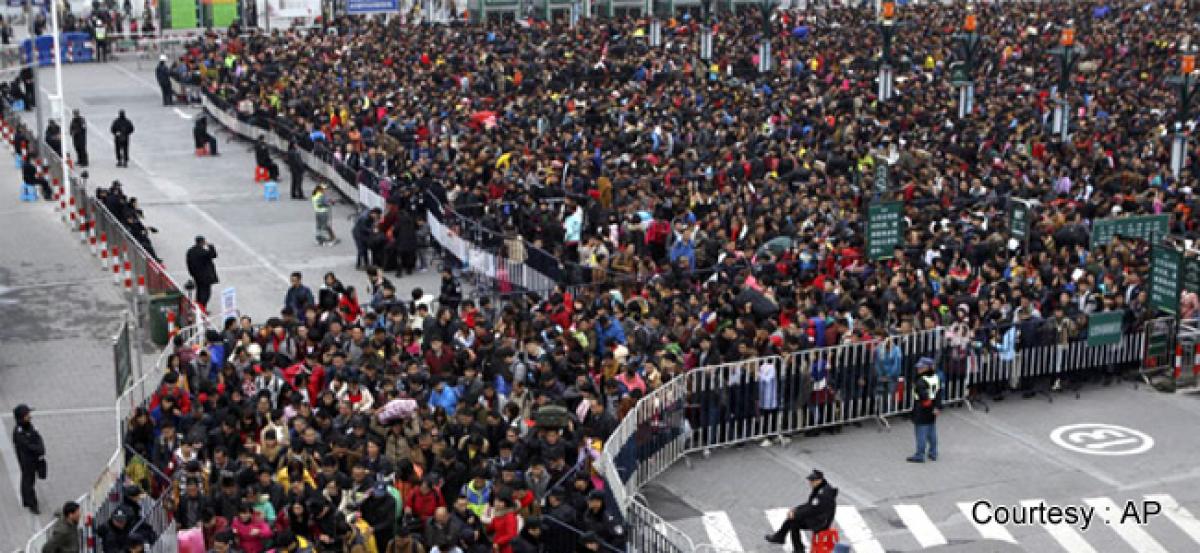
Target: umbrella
{"x": 483, "y": 119}
{"x": 777, "y": 245}
{"x": 397, "y": 409}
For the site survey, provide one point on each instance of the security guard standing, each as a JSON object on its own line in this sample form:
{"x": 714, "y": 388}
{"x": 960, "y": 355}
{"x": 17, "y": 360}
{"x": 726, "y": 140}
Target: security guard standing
{"x": 79, "y": 138}
{"x": 295, "y": 165}
{"x": 121, "y": 128}
{"x": 321, "y": 204}
{"x": 816, "y": 514}
{"x": 926, "y": 408}
{"x": 31, "y": 455}
{"x": 100, "y": 33}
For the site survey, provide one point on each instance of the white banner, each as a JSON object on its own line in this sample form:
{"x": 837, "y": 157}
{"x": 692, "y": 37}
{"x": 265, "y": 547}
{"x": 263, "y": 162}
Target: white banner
{"x": 292, "y": 8}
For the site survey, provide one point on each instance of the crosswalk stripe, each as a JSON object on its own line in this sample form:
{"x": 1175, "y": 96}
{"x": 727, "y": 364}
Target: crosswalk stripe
{"x": 990, "y": 531}
{"x": 1134, "y": 535}
{"x": 855, "y": 530}
{"x": 1066, "y": 536}
{"x": 720, "y": 531}
{"x": 923, "y": 529}
{"x": 776, "y": 518}
{"x": 1178, "y": 514}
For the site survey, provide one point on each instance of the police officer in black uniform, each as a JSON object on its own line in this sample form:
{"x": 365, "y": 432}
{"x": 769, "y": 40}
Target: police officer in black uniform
{"x": 816, "y": 514}
{"x": 79, "y": 138}
{"x": 31, "y": 455}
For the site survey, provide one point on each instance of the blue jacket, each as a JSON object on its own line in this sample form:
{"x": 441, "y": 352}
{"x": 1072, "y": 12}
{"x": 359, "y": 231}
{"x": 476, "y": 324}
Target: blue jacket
{"x": 888, "y": 362}
{"x": 298, "y": 298}
{"x": 606, "y": 335}
{"x": 447, "y": 399}
{"x": 1008, "y": 344}
{"x": 684, "y": 248}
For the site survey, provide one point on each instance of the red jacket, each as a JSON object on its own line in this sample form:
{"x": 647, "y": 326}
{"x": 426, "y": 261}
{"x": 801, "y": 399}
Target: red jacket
{"x": 424, "y": 504}
{"x": 181, "y": 399}
{"x": 439, "y": 364}
{"x": 504, "y": 530}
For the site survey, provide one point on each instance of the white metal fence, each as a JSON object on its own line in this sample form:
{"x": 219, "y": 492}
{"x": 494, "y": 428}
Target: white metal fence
{"x": 727, "y": 404}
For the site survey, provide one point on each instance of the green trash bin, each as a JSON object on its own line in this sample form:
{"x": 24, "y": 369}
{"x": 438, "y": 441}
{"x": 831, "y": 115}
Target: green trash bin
{"x": 160, "y": 306}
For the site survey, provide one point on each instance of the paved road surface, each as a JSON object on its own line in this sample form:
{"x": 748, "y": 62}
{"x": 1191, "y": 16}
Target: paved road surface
{"x": 58, "y": 315}
{"x": 59, "y": 311}
{"x": 1006, "y": 457}
{"x": 259, "y": 243}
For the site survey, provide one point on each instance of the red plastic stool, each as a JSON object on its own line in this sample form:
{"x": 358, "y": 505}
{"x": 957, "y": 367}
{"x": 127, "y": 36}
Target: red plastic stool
{"x": 825, "y": 541}
{"x": 261, "y": 174}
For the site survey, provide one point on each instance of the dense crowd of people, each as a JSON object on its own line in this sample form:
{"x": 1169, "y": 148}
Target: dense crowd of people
{"x": 714, "y": 214}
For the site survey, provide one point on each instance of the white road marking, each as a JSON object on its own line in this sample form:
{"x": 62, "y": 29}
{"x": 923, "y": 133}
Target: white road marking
{"x": 1134, "y": 535}
{"x": 923, "y": 529}
{"x": 1065, "y": 535}
{"x": 39, "y": 413}
{"x": 720, "y": 531}
{"x": 776, "y": 517}
{"x": 19, "y": 287}
{"x": 990, "y": 531}
{"x": 136, "y": 77}
{"x": 1178, "y": 514}
{"x": 855, "y": 530}
{"x": 170, "y": 189}
{"x": 182, "y": 114}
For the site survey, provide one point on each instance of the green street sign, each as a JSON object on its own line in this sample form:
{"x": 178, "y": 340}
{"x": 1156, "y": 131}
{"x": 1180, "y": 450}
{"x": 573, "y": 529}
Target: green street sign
{"x": 881, "y": 177}
{"x": 1018, "y": 221}
{"x": 1166, "y": 266}
{"x": 1158, "y": 340}
{"x": 883, "y": 229}
{"x": 958, "y": 74}
{"x": 1143, "y": 227}
{"x": 1104, "y": 329}
{"x": 1191, "y": 274}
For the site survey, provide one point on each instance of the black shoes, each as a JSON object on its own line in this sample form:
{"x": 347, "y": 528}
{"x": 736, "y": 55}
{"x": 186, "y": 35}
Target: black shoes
{"x": 771, "y": 539}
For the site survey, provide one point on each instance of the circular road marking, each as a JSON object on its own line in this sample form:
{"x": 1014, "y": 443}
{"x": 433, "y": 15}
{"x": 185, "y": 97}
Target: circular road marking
{"x": 1101, "y": 439}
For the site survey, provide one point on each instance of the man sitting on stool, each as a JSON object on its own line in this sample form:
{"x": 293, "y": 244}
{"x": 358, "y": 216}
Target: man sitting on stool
{"x": 816, "y": 514}
{"x": 29, "y": 172}
{"x": 202, "y": 138}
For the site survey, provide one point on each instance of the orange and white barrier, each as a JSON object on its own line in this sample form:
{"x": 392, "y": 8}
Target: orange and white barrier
{"x": 116, "y": 264}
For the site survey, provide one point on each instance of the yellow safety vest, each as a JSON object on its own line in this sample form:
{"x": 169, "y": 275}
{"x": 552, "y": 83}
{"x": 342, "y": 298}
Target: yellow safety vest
{"x": 317, "y": 203}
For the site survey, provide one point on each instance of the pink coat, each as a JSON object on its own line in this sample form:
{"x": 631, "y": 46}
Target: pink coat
{"x": 249, "y": 543}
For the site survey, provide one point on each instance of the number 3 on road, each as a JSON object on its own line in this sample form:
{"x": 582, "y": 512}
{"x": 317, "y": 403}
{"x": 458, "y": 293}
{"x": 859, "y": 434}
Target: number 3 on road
{"x": 1101, "y": 439}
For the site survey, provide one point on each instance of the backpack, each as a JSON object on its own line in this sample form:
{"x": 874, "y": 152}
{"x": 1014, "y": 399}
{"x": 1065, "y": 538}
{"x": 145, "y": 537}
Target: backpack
{"x": 364, "y": 537}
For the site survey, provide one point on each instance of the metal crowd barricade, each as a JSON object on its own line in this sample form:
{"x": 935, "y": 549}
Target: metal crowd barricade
{"x": 731, "y": 403}
{"x": 460, "y": 236}
{"x": 649, "y": 533}
{"x": 37, "y": 542}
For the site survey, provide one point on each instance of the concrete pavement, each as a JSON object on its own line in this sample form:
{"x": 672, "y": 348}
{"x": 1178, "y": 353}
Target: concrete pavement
{"x": 259, "y": 243}
{"x": 1009, "y": 457}
{"x": 58, "y": 315}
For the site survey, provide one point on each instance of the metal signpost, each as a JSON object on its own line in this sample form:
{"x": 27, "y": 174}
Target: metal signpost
{"x": 881, "y": 177}
{"x": 1186, "y": 87}
{"x": 962, "y": 76}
